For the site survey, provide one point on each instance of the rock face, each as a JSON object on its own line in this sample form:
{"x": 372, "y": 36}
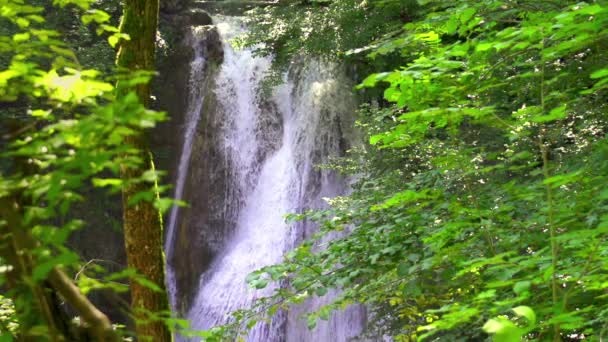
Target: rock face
{"x": 171, "y": 87}
{"x": 198, "y": 17}
{"x": 175, "y": 90}
{"x": 195, "y": 243}
{"x": 173, "y": 6}
{"x": 231, "y": 7}
{"x": 184, "y": 19}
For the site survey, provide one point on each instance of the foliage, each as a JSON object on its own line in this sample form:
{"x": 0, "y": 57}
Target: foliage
{"x": 320, "y": 28}
{"x": 480, "y": 204}
{"x": 68, "y": 136}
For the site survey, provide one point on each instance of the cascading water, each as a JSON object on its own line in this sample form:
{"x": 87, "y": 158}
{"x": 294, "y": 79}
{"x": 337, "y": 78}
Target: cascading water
{"x": 270, "y": 146}
{"x": 195, "y": 103}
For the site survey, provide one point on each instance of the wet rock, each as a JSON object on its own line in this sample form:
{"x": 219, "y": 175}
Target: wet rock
{"x": 173, "y": 6}
{"x": 212, "y": 45}
{"x": 199, "y": 17}
{"x": 171, "y": 89}
{"x": 269, "y": 126}
{"x": 183, "y": 20}
{"x": 208, "y": 221}
{"x": 231, "y": 8}
{"x": 196, "y": 226}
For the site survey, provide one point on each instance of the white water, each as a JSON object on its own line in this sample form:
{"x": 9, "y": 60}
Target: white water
{"x": 311, "y": 106}
{"x": 260, "y": 234}
{"x": 193, "y": 115}
{"x": 237, "y": 93}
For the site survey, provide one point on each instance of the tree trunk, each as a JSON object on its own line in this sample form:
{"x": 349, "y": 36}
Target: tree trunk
{"x": 142, "y": 223}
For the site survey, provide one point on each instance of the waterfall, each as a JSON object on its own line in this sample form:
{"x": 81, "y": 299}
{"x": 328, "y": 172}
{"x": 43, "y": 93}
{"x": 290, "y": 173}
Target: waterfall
{"x": 193, "y": 114}
{"x": 269, "y": 146}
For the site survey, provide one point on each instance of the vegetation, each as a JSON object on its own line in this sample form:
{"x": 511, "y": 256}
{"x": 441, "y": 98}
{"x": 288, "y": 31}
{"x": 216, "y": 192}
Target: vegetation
{"x": 142, "y": 221}
{"x": 68, "y": 131}
{"x": 480, "y": 206}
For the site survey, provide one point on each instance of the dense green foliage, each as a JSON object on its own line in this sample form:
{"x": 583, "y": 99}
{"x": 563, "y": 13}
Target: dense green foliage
{"x": 480, "y": 207}
{"x": 331, "y": 29}
{"x": 66, "y": 135}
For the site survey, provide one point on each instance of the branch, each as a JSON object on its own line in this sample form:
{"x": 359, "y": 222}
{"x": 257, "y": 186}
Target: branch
{"x": 99, "y": 322}
{"x": 23, "y": 240}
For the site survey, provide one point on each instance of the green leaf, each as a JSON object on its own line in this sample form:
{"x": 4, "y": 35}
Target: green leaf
{"x": 484, "y": 47}
{"x": 41, "y": 113}
{"x": 503, "y": 330}
{"x": 452, "y": 25}
{"x": 559, "y": 180}
{"x": 324, "y": 313}
{"x": 147, "y": 196}
{"x": 146, "y": 283}
{"x": 600, "y": 73}
{"x": 311, "y": 322}
{"x": 113, "y": 40}
{"x": 557, "y": 113}
{"x": 374, "y": 139}
{"x": 412, "y": 289}
{"x": 371, "y": 80}
{"x": 6, "y": 337}
{"x": 112, "y": 182}
{"x": 251, "y": 323}
{"x": 521, "y": 287}
{"x": 403, "y": 269}
{"x": 259, "y": 283}
{"x": 21, "y": 37}
{"x": 527, "y": 312}
{"x": 22, "y": 22}
{"x": 95, "y": 15}
{"x": 401, "y": 198}
{"x": 41, "y": 270}
{"x": 467, "y": 14}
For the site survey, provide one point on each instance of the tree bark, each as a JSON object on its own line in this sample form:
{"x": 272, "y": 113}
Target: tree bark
{"x": 142, "y": 223}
